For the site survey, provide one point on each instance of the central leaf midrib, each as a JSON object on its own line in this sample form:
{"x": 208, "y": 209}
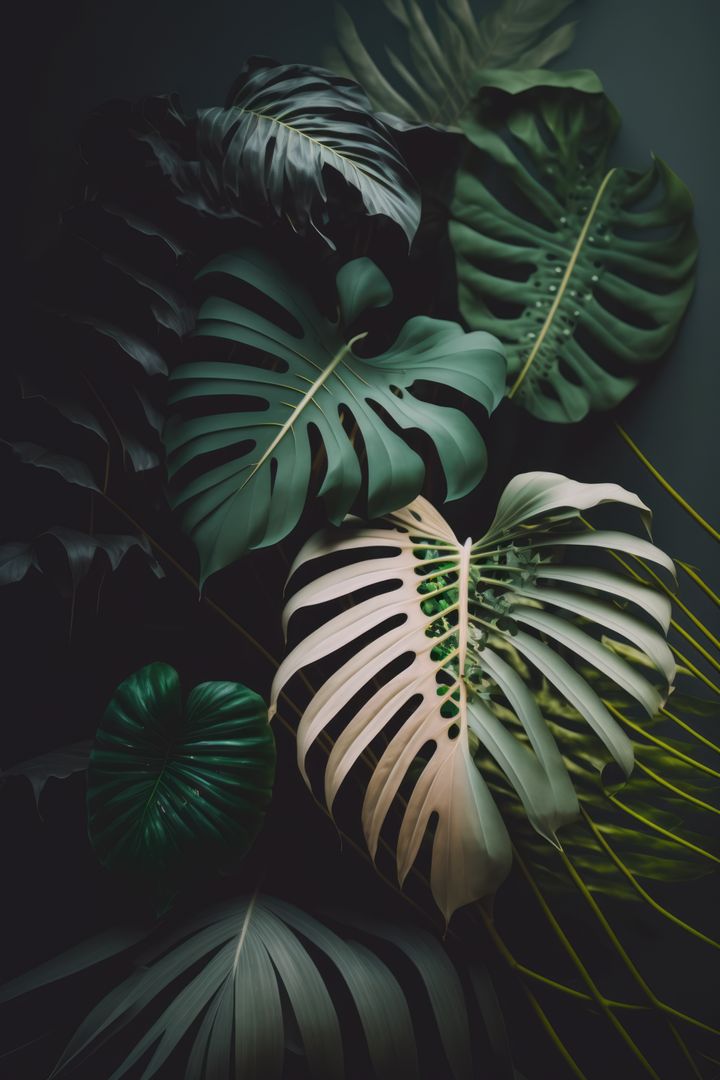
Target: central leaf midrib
{"x": 303, "y": 135}
{"x": 301, "y": 406}
{"x": 562, "y": 288}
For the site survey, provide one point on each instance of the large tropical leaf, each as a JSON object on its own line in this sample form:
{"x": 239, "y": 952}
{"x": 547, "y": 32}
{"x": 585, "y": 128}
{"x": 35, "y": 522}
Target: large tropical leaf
{"x": 244, "y": 979}
{"x": 311, "y": 379}
{"x": 582, "y": 270}
{"x": 446, "y": 64}
{"x": 172, "y": 786}
{"x": 284, "y": 125}
{"x": 446, "y": 611}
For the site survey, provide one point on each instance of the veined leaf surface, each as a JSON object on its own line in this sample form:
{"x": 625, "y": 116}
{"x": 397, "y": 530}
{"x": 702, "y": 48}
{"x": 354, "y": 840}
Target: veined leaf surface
{"x": 582, "y": 270}
{"x": 446, "y": 614}
{"x": 175, "y": 786}
{"x": 446, "y": 62}
{"x": 284, "y": 124}
{"x": 313, "y": 379}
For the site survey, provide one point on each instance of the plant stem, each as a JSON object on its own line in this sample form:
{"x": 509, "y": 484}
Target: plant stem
{"x": 660, "y": 742}
{"x": 668, "y": 487}
{"x": 627, "y": 961}
{"x": 595, "y": 993}
{"x": 624, "y": 869}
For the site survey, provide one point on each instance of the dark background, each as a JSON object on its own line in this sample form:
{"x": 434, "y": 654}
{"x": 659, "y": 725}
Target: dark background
{"x": 658, "y": 61}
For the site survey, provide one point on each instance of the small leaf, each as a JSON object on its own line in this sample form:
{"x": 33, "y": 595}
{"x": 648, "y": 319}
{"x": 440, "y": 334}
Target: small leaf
{"x": 70, "y": 469}
{"x": 56, "y": 764}
{"x": 175, "y": 787}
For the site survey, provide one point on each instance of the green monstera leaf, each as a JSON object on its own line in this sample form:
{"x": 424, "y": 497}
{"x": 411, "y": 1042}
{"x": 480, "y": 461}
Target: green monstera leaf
{"x": 310, "y": 379}
{"x": 583, "y": 271}
{"x": 173, "y": 787}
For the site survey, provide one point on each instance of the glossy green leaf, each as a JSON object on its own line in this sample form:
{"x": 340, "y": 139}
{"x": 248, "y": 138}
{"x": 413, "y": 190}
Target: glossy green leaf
{"x": 313, "y": 379}
{"x": 176, "y": 786}
{"x": 446, "y": 61}
{"x": 583, "y": 270}
{"x": 283, "y": 126}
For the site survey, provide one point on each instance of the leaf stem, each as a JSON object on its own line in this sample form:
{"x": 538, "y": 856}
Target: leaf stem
{"x": 642, "y": 892}
{"x": 627, "y": 961}
{"x": 665, "y": 484}
{"x": 585, "y": 975}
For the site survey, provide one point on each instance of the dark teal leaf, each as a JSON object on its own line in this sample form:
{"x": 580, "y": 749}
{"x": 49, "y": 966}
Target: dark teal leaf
{"x": 284, "y": 125}
{"x": 176, "y": 787}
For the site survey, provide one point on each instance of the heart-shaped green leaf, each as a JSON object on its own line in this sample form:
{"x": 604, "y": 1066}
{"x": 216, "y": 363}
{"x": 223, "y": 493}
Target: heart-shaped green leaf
{"x": 249, "y": 470}
{"x": 172, "y": 787}
{"x": 583, "y": 271}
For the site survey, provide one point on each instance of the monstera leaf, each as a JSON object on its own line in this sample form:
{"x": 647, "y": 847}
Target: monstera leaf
{"x": 267, "y": 984}
{"x": 173, "y": 786}
{"x": 309, "y": 378}
{"x": 447, "y": 63}
{"x": 444, "y": 617}
{"x": 284, "y": 125}
{"x": 582, "y": 270}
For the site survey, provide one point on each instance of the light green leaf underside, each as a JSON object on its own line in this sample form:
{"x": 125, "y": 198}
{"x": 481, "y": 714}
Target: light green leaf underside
{"x": 582, "y": 270}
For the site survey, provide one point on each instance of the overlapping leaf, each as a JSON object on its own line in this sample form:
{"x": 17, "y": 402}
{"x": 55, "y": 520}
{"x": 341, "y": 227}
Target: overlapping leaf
{"x": 266, "y": 152}
{"x": 312, "y": 379}
{"x": 244, "y": 979}
{"x": 445, "y": 611}
{"x": 583, "y": 271}
{"x": 175, "y": 786}
{"x": 446, "y": 64}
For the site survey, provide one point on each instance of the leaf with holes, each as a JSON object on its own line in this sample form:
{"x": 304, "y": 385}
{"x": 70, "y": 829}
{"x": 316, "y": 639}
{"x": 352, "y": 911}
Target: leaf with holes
{"x": 284, "y": 125}
{"x": 310, "y": 377}
{"x": 582, "y": 270}
{"x": 445, "y": 616}
{"x": 447, "y": 62}
{"x": 176, "y": 787}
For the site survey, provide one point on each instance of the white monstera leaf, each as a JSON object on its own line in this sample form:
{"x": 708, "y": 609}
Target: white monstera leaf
{"x": 449, "y": 611}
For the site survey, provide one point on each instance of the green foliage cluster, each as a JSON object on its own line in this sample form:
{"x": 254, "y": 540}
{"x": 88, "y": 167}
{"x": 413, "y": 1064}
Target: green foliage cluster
{"x": 491, "y": 723}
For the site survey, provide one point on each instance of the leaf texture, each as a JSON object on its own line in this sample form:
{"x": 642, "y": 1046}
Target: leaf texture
{"x": 249, "y": 979}
{"x": 444, "y": 616}
{"x": 266, "y": 152}
{"x": 582, "y": 270}
{"x": 446, "y": 62}
{"x": 173, "y": 787}
{"x": 314, "y": 380}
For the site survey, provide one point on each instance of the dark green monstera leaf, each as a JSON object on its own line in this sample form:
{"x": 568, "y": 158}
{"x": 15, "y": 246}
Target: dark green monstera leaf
{"x": 173, "y": 786}
{"x": 582, "y": 270}
{"x": 311, "y": 379}
{"x": 284, "y": 125}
